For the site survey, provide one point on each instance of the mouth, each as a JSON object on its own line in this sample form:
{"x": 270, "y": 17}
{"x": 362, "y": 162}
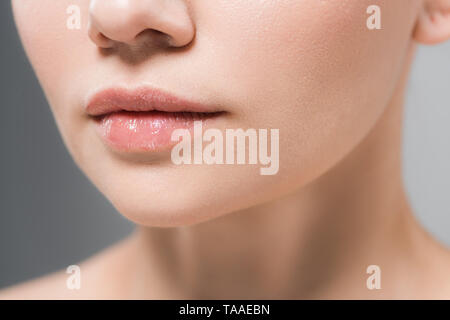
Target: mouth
{"x": 142, "y": 120}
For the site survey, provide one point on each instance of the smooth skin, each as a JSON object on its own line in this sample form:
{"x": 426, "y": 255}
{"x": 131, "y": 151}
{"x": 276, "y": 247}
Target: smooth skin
{"x": 310, "y": 68}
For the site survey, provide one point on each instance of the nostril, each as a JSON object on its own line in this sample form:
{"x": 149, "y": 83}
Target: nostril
{"x": 100, "y": 39}
{"x": 103, "y": 37}
{"x": 152, "y": 36}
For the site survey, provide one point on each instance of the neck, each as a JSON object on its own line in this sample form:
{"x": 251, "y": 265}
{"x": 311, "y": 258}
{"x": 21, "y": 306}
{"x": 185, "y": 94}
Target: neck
{"x": 314, "y": 243}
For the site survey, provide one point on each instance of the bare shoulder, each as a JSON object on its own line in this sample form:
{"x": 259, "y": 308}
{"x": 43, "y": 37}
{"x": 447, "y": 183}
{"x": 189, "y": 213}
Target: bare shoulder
{"x": 90, "y": 279}
{"x": 75, "y": 282}
{"x": 435, "y": 261}
{"x": 52, "y": 286}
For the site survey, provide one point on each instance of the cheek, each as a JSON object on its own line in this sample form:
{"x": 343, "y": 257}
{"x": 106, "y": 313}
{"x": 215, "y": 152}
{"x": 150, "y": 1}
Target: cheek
{"x": 55, "y": 51}
{"x": 311, "y": 68}
{"x": 56, "y": 54}
{"x": 301, "y": 42}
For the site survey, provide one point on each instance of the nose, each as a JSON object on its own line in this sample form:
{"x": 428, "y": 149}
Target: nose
{"x": 124, "y": 21}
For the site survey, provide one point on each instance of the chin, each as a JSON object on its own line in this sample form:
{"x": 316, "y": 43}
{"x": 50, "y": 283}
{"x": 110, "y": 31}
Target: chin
{"x": 162, "y": 197}
{"x": 164, "y": 214}
{"x": 170, "y": 196}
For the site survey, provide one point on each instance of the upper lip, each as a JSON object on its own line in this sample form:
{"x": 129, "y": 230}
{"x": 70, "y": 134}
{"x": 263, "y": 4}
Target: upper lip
{"x": 141, "y": 99}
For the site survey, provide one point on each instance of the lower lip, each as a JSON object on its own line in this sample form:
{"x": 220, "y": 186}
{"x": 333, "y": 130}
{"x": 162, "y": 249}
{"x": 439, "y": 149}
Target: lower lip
{"x": 144, "y": 131}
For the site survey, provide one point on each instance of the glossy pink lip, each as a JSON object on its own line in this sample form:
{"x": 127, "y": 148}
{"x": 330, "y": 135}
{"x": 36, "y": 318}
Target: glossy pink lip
{"x": 142, "y": 120}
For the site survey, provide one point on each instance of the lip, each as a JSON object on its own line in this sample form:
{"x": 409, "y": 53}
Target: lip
{"x": 143, "y": 119}
{"x": 142, "y": 99}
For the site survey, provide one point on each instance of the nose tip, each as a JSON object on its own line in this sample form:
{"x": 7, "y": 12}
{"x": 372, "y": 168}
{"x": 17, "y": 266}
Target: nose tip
{"x": 122, "y": 21}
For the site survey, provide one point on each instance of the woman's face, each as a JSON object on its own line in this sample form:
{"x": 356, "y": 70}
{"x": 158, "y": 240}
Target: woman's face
{"x": 310, "y": 68}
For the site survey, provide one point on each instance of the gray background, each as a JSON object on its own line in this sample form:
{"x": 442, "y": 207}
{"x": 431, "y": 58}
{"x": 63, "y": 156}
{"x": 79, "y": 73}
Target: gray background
{"x": 51, "y": 216}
